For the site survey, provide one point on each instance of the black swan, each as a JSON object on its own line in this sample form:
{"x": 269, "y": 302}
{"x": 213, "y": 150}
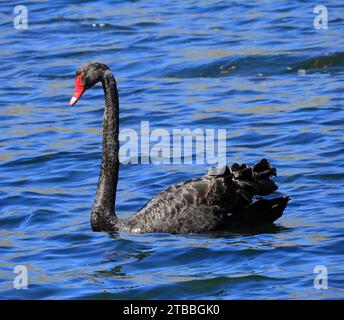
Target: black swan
{"x": 220, "y": 200}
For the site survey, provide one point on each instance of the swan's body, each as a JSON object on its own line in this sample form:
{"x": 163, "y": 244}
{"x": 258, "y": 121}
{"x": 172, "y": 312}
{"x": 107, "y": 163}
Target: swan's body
{"x": 221, "y": 199}
{"x": 214, "y": 201}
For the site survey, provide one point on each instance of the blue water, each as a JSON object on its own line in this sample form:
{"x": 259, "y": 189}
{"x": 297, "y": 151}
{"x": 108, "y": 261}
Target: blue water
{"x": 258, "y": 68}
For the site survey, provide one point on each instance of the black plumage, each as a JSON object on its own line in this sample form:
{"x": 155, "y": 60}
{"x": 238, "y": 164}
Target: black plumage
{"x": 224, "y": 198}
{"x": 214, "y": 201}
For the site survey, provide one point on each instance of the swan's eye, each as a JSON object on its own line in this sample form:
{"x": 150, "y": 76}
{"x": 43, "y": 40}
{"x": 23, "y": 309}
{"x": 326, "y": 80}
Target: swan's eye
{"x": 78, "y": 90}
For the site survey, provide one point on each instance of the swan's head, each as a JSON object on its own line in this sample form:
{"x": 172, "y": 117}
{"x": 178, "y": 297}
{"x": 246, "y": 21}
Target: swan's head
{"x": 86, "y": 77}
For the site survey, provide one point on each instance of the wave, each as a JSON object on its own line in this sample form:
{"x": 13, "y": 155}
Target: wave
{"x": 261, "y": 65}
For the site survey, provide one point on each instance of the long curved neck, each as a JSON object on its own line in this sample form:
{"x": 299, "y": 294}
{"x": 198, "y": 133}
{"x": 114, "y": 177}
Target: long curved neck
{"x": 103, "y": 212}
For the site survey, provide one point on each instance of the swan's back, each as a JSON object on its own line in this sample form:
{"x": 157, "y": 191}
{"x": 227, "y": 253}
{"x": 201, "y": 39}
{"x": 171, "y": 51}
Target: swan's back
{"x": 214, "y": 201}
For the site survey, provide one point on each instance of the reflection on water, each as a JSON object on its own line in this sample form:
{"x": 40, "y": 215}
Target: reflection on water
{"x": 258, "y": 69}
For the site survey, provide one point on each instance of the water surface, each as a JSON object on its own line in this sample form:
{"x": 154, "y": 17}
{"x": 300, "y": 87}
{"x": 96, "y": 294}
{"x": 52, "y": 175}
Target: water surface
{"x": 258, "y": 69}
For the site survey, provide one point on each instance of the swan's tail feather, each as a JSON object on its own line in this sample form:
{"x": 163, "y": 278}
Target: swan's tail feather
{"x": 258, "y": 213}
{"x": 250, "y": 182}
{"x": 255, "y": 180}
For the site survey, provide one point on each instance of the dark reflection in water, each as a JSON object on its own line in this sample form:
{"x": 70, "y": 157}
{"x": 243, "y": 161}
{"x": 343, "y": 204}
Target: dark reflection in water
{"x": 258, "y": 69}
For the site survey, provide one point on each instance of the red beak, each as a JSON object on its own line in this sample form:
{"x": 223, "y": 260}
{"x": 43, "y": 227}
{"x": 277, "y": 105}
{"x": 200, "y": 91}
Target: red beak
{"x": 78, "y": 91}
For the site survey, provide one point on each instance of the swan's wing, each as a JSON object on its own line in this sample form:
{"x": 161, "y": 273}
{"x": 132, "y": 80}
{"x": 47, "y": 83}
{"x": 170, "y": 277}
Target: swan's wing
{"x": 203, "y": 204}
{"x": 182, "y": 208}
{"x": 256, "y": 179}
{"x": 196, "y": 219}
